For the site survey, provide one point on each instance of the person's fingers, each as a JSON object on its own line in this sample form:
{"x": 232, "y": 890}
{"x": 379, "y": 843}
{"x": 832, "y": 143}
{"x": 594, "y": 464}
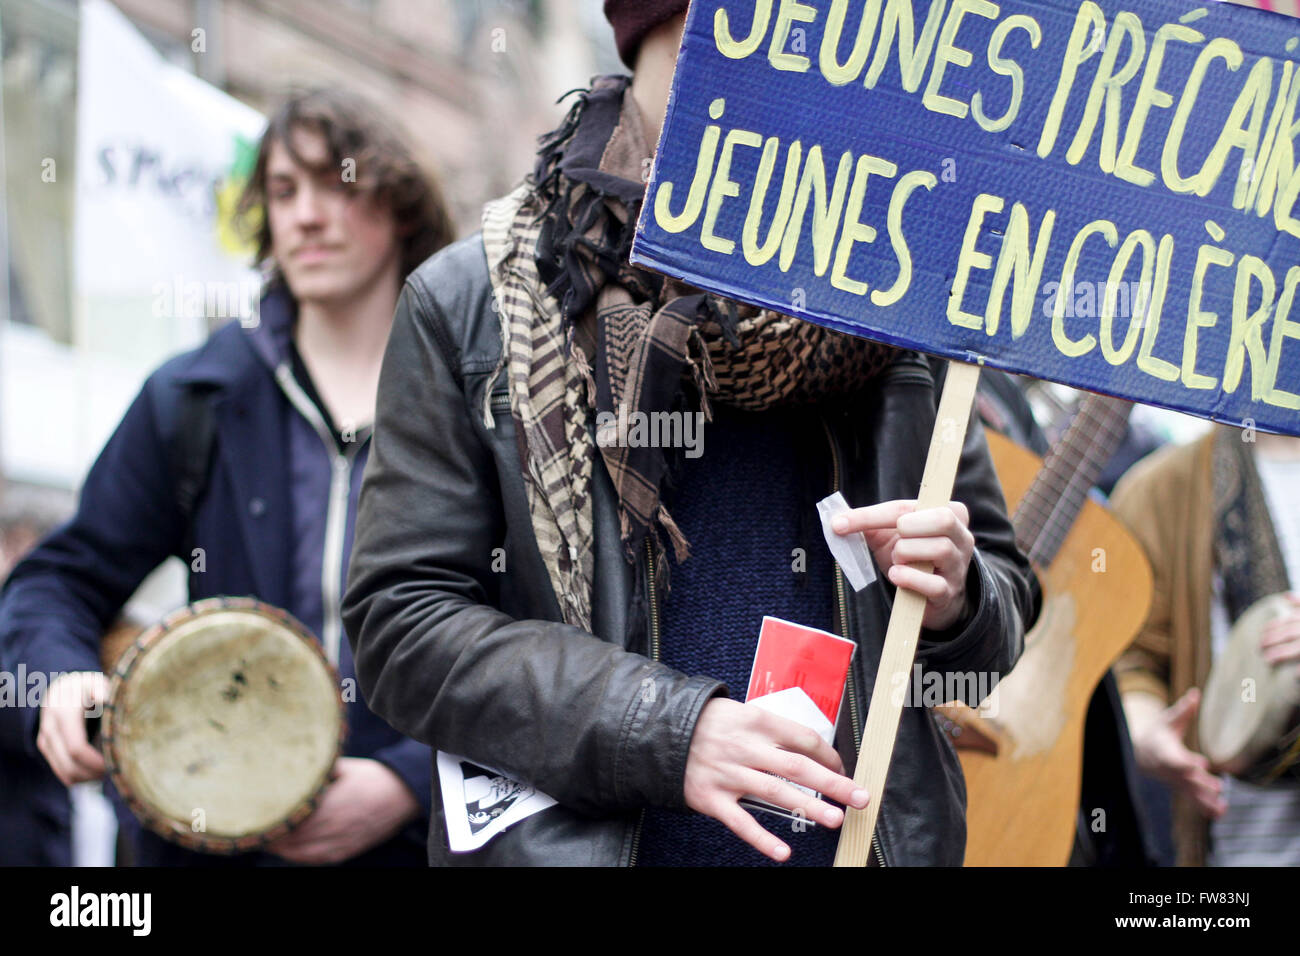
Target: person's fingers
{"x": 931, "y": 522}
{"x": 1207, "y": 792}
{"x": 1178, "y": 759}
{"x": 790, "y": 735}
{"x": 1178, "y": 754}
{"x": 1175, "y": 765}
{"x": 69, "y": 725}
{"x": 61, "y": 732}
{"x": 1280, "y": 641}
{"x": 1191, "y": 774}
{"x": 938, "y": 551}
{"x": 302, "y": 840}
{"x": 293, "y": 852}
{"x": 882, "y": 544}
{"x": 1200, "y": 763}
{"x": 56, "y": 755}
{"x": 323, "y": 854}
{"x": 1206, "y": 782}
{"x": 1209, "y": 806}
{"x": 809, "y": 773}
{"x": 291, "y": 841}
{"x": 1283, "y": 653}
{"x": 283, "y": 846}
{"x": 933, "y": 587}
{"x": 871, "y": 518}
{"x": 321, "y": 850}
{"x": 70, "y": 755}
{"x": 95, "y": 691}
{"x": 736, "y": 819}
{"x": 1274, "y": 635}
{"x": 1180, "y": 714}
{"x": 1279, "y": 631}
{"x": 780, "y": 793}
{"x": 89, "y": 761}
{"x": 881, "y": 539}
{"x": 319, "y": 824}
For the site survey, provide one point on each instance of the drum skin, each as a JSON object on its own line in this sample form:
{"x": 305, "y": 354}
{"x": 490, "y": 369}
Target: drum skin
{"x": 223, "y": 724}
{"x": 1250, "y": 716}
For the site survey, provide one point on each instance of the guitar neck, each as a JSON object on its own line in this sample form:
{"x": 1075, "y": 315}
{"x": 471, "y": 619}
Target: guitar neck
{"x": 1053, "y": 501}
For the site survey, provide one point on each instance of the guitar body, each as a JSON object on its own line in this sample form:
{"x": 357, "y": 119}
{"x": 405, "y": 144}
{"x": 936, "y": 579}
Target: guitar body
{"x": 1022, "y": 752}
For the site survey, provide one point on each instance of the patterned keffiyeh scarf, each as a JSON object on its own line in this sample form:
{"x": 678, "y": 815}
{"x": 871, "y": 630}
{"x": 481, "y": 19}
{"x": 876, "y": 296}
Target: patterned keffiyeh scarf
{"x": 585, "y": 333}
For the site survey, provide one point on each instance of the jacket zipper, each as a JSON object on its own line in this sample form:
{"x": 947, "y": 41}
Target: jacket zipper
{"x": 336, "y": 515}
{"x": 841, "y": 600}
{"x": 653, "y": 601}
{"x": 653, "y": 598}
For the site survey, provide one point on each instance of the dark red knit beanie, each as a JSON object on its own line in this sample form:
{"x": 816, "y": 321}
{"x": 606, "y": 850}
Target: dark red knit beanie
{"x": 633, "y": 19}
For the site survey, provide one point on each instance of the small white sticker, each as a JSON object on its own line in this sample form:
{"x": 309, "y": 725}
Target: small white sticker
{"x": 849, "y": 550}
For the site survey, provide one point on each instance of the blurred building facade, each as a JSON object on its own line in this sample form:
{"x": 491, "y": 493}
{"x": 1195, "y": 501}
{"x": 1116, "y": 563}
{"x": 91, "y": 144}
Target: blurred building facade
{"x": 472, "y": 83}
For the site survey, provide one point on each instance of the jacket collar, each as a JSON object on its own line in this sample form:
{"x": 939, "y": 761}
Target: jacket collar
{"x": 253, "y": 449}
{"x": 268, "y": 340}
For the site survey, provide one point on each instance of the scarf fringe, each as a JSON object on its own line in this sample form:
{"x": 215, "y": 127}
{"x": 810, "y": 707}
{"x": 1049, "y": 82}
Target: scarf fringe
{"x": 702, "y": 373}
{"x": 681, "y": 548}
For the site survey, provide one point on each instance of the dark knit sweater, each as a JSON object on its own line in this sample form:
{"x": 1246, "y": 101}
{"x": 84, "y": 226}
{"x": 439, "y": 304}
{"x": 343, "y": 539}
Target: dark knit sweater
{"x": 744, "y": 505}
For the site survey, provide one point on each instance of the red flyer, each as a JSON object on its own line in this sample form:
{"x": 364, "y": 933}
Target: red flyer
{"x": 799, "y": 673}
{"x": 791, "y": 655}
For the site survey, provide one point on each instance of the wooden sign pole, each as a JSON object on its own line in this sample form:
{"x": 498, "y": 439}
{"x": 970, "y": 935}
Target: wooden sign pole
{"x": 946, "y": 444}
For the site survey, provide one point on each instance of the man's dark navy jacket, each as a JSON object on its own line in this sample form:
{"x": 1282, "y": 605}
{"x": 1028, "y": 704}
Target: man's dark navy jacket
{"x": 259, "y": 520}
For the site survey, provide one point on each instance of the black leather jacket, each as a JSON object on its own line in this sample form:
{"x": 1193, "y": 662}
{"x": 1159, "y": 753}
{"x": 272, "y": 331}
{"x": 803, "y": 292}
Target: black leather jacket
{"x": 458, "y": 636}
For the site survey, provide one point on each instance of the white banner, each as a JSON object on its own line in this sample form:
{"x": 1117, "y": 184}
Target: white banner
{"x": 161, "y": 157}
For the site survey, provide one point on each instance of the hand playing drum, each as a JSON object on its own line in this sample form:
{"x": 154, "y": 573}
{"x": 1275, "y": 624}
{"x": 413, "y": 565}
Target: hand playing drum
{"x": 1280, "y": 642}
{"x": 61, "y": 736}
{"x": 1160, "y": 750}
{"x": 1250, "y": 725}
{"x": 364, "y": 804}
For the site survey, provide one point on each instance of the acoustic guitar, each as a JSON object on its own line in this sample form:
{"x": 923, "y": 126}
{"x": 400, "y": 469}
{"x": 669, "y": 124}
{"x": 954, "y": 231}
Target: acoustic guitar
{"x": 1022, "y": 751}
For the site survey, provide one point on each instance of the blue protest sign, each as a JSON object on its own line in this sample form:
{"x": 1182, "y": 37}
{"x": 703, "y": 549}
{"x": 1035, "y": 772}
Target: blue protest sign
{"x": 1101, "y": 194}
